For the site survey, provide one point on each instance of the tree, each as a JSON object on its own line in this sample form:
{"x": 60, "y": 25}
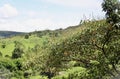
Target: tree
{"x": 1, "y": 54}
{"x": 18, "y": 51}
{"x": 3, "y": 45}
{"x": 112, "y": 9}
{"x": 110, "y": 48}
{"x": 26, "y": 36}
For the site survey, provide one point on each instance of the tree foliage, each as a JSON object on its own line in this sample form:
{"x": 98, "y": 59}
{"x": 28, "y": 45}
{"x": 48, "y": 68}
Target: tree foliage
{"x": 18, "y": 50}
{"x": 112, "y": 9}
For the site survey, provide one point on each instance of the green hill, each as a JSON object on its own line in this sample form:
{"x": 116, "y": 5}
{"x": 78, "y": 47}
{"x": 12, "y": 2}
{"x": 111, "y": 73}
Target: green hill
{"x": 78, "y": 52}
{"x": 9, "y": 33}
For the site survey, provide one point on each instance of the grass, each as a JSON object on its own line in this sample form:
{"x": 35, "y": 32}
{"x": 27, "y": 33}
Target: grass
{"x": 28, "y": 43}
{"x": 8, "y": 49}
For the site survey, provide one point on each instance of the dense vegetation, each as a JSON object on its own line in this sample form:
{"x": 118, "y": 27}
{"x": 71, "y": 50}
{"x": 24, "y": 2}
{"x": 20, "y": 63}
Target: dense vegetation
{"x": 90, "y": 50}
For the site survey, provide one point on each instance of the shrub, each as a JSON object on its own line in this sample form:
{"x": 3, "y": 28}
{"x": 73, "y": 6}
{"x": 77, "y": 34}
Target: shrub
{"x": 3, "y": 46}
{"x": 17, "y": 53}
{"x": 0, "y": 54}
{"x": 26, "y": 36}
{"x": 27, "y": 73}
{"x": 8, "y": 64}
{"x": 7, "y": 56}
{"x": 19, "y": 63}
{"x": 18, "y": 74}
{"x": 74, "y": 73}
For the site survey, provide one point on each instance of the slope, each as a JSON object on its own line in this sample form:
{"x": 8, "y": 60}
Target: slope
{"x": 74, "y": 51}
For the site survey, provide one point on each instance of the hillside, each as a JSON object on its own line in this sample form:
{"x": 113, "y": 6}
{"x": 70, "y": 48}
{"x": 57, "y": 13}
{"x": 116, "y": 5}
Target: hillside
{"x": 89, "y": 50}
{"x": 76, "y": 50}
{"x": 4, "y": 34}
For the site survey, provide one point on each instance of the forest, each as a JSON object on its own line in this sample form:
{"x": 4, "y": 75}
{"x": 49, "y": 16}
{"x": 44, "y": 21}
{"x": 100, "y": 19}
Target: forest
{"x": 89, "y": 50}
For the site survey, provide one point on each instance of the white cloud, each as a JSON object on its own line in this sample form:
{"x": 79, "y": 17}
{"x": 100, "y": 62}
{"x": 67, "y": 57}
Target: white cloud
{"x": 32, "y": 13}
{"x": 45, "y": 21}
{"x": 7, "y": 11}
{"x": 40, "y": 20}
{"x": 76, "y": 3}
{"x": 33, "y": 24}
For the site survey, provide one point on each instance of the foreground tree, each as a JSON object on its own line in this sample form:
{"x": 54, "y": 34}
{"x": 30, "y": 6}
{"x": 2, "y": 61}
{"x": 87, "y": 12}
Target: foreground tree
{"x": 98, "y": 49}
{"x": 112, "y": 9}
{"x": 110, "y": 46}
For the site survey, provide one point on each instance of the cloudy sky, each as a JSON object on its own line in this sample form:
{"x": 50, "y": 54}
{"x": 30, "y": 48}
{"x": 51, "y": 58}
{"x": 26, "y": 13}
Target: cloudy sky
{"x": 31, "y": 15}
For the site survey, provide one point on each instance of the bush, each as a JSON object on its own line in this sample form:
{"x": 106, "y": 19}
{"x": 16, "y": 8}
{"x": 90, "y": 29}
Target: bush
{"x": 27, "y": 73}
{"x": 19, "y": 63}
{"x": 74, "y": 73}
{"x": 17, "y": 53}
{"x": 0, "y": 54}
{"x": 8, "y": 64}
{"x": 18, "y": 74}
{"x": 7, "y": 56}
{"x": 3, "y": 46}
{"x": 26, "y": 36}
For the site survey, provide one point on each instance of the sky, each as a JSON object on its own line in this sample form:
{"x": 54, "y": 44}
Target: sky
{"x": 32, "y": 15}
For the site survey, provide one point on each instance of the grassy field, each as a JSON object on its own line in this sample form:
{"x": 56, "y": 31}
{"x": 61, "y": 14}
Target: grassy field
{"x": 35, "y": 40}
{"x": 28, "y": 43}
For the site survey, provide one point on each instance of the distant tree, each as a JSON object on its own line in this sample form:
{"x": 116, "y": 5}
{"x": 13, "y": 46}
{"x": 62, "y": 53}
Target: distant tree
{"x": 17, "y": 53}
{"x": 30, "y": 34}
{"x": 0, "y": 53}
{"x": 40, "y": 35}
{"x": 26, "y": 36}
{"x": 19, "y": 45}
{"x": 56, "y": 34}
{"x": 3, "y": 46}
